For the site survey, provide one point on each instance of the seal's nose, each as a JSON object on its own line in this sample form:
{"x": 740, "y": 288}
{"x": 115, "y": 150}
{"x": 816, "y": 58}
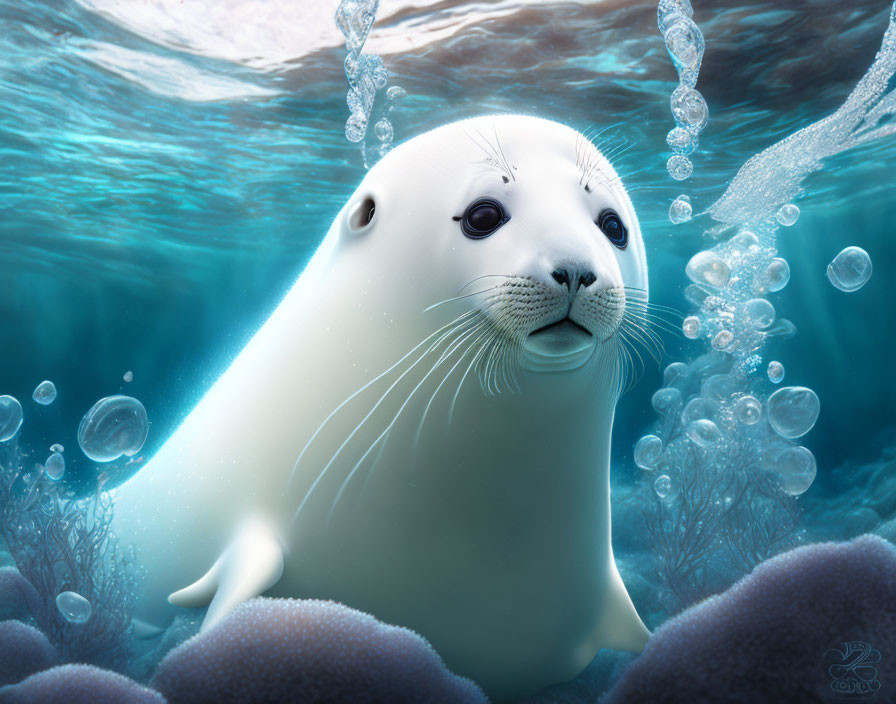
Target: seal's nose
{"x": 563, "y": 277}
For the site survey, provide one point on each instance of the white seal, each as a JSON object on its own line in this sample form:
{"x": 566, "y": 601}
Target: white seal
{"x": 421, "y": 429}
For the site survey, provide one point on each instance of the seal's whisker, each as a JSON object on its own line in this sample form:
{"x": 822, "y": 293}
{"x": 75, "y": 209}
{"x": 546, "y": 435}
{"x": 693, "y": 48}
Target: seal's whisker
{"x": 459, "y": 298}
{"x": 442, "y": 383}
{"x": 655, "y": 321}
{"x": 445, "y": 330}
{"x": 457, "y": 320}
{"x": 484, "y": 276}
{"x": 644, "y": 328}
{"x": 649, "y": 341}
{"x": 389, "y": 427}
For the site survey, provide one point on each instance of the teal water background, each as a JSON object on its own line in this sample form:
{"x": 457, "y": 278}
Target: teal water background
{"x": 157, "y": 200}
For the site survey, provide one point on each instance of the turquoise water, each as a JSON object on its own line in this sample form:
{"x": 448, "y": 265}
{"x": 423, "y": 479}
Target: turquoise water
{"x": 163, "y": 182}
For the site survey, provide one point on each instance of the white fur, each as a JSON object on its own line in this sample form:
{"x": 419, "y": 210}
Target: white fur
{"x": 484, "y": 526}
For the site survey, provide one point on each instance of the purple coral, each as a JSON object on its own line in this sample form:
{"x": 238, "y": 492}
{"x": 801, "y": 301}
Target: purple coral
{"x": 78, "y": 684}
{"x": 807, "y": 626}
{"x": 23, "y": 651}
{"x": 310, "y": 651}
{"x": 18, "y": 598}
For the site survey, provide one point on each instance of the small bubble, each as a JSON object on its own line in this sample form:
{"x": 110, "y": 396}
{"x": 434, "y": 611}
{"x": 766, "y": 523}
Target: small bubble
{"x": 56, "y": 447}
{"x": 395, "y": 93}
{"x": 662, "y": 486}
{"x": 689, "y": 108}
{"x": 722, "y": 340}
{"x": 55, "y": 466}
{"x": 355, "y": 127}
{"x": 128, "y": 377}
{"x": 691, "y": 327}
{"x": 788, "y": 214}
{"x": 648, "y": 451}
{"x": 708, "y": 268}
{"x": 777, "y": 274}
{"x": 681, "y": 140}
{"x": 74, "y": 607}
{"x": 383, "y": 130}
{"x": 680, "y": 211}
{"x": 679, "y": 167}
{"x": 748, "y": 410}
{"x": 775, "y": 372}
{"x": 45, "y": 393}
{"x": 704, "y": 432}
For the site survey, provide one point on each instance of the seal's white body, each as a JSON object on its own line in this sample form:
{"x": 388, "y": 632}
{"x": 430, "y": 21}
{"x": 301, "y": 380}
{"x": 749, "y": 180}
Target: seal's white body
{"x": 485, "y": 528}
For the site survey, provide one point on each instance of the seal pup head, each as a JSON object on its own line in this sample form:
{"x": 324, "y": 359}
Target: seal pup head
{"x": 524, "y": 220}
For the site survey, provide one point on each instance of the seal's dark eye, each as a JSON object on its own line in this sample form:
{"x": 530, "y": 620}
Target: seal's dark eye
{"x": 611, "y": 225}
{"x": 482, "y": 217}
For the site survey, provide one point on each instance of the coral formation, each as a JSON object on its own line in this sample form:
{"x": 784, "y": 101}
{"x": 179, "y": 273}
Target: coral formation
{"x": 310, "y": 651}
{"x": 60, "y": 543}
{"x": 18, "y": 599}
{"x": 78, "y": 684}
{"x": 25, "y": 651}
{"x": 810, "y": 625}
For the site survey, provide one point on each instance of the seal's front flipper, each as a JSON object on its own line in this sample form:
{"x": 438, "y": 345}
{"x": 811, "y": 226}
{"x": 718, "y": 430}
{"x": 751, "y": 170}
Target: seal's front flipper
{"x": 620, "y": 627}
{"x": 250, "y": 565}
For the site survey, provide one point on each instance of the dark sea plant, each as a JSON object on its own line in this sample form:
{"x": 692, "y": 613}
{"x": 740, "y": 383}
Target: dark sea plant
{"x": 726, "y": 516}
{"x": 62, "y": 543}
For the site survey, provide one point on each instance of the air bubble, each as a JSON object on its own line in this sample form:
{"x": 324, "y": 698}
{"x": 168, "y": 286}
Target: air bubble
{"x": 708, "y": 268}
{"x": 793, "y": 410}
{"x": 662, "y": 486}
{"x": 648, "y": 451}
{"x": 680, "y": 211}
{"x": 788, "y": 214}
{"x": 45, "y": 393}
{"x": 775, "y": 372}
{"x": 691, "y": 327}
{"x": 850, "y": 269}
{"x": 679, "y": 167}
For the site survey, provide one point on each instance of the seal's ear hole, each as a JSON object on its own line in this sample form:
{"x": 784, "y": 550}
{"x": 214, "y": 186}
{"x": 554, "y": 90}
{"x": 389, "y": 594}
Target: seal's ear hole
{"x": 362, "y": 214}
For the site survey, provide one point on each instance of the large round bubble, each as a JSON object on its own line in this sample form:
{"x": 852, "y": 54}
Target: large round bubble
{"x": 708, "y": 268}
{"x": 74, "y": 607}
{"x": 10, "y": 417}
{"x": 674, "y": 372}
{"x": 115, "y": 426}
{"x": 850, "y": 269}
{"x": 759, "y": 312}
{"x": 648, "y": 451}
{"x": 748, "y": 410}
{"x": 45, "y": 393}
{"x": 793, "y": 410}
{"x": 666, "y": 399}
{"x": 55, "y": 466}
{"x": 796, "y": 468}
{"x": 704, "y": 433}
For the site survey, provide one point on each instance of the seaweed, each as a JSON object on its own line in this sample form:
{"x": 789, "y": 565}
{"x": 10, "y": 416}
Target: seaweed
{"x": 726, "y": 515}
{"x": 61, "y": 542}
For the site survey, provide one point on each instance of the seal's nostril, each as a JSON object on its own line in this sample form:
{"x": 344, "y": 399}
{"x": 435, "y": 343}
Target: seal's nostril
{"x": 587, "y": 279}
{"x": 561, "y": 276}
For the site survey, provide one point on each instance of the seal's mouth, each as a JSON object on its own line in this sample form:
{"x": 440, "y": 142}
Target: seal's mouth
{"x": 561, "y": 326}
{"x": 560, "y": 346}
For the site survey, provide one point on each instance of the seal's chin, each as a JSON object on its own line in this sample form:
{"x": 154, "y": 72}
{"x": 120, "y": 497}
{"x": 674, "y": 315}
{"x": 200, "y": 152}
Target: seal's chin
{"x": 558, "y": 347}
